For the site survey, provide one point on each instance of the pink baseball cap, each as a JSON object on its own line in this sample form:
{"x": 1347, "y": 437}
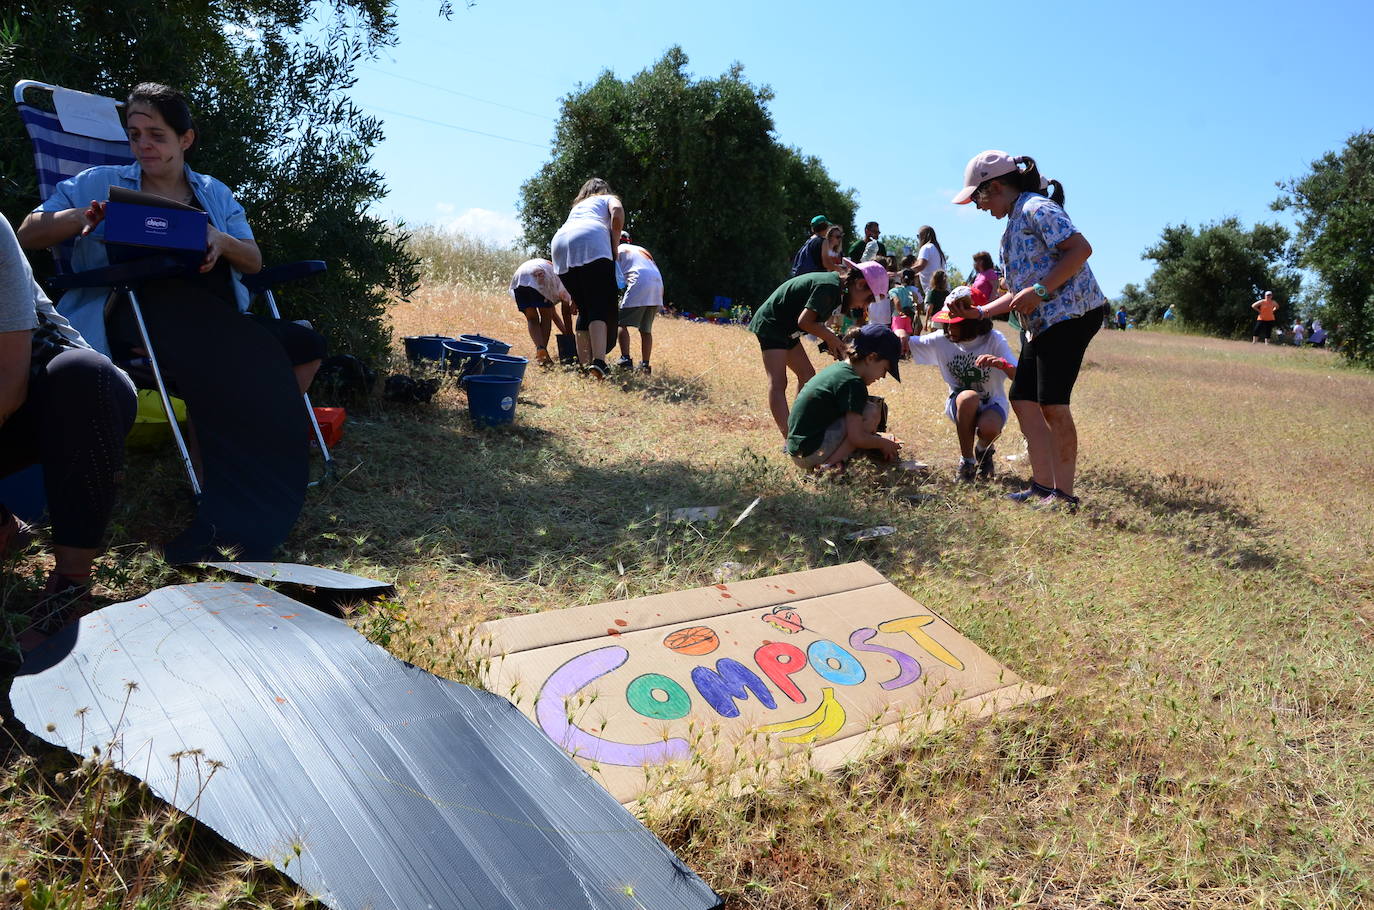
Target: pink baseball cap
{"x": 874, "y": 274}
{"x": 983, "y": 166}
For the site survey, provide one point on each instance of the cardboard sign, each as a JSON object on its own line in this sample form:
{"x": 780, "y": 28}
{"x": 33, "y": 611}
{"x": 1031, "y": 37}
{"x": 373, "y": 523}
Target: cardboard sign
{"x": 827, "y": 662}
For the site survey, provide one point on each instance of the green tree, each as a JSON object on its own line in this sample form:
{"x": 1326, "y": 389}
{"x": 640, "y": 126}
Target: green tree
{"x": 1335, "y": 238}
{"x": 1211, "y": 275}
{"x": 1139, "y": 305}
{"x": 268, "y": 81}
{"x": 707, "y": 187}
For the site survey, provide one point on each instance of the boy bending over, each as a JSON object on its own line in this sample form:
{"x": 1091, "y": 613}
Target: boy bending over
{"x": 833, "y": 416}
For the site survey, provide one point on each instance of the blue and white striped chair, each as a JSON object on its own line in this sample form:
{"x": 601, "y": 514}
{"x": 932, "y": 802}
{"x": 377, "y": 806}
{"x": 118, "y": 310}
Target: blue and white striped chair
{"x": 58, "y": 154}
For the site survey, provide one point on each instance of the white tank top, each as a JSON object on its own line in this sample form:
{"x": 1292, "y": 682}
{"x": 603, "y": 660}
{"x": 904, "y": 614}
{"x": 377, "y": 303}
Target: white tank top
{"x": 586, "y": 235}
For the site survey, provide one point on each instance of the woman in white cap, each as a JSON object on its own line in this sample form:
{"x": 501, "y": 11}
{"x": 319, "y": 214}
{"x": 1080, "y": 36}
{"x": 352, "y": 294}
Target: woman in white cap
{"x": 801, "y": 306}
{"x": 1051, "y": 287}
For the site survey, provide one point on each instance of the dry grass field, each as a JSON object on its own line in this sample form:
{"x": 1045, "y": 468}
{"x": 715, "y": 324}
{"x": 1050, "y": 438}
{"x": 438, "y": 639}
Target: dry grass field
{"x": 1206, "y": 619}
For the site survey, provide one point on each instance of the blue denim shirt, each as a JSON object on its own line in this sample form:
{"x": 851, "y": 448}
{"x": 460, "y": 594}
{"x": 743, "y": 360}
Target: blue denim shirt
{"x": 85, "y": 307}
{"x": 1035, "y": 229}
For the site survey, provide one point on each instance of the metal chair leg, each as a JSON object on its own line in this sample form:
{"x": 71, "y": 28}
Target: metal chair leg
{"x": 309, "y": 408}
{"x": 162, "y": 391}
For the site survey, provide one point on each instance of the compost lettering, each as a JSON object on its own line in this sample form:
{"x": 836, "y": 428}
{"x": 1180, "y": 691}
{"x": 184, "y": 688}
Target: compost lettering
{"x": 790, "y": 669}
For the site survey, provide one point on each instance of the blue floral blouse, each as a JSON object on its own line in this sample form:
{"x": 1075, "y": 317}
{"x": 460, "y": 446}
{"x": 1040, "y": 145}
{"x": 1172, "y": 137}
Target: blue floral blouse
{"x": 1035, "y": 227}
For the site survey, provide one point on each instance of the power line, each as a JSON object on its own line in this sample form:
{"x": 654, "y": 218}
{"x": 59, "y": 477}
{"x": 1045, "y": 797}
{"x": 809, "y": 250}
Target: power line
{"x": 454, "y": 126}
{"x": 444, "y": 88}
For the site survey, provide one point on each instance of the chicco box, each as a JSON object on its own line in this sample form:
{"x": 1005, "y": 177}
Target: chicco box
{"x": 154, "y": 226}
{"x": 331, "y": 422}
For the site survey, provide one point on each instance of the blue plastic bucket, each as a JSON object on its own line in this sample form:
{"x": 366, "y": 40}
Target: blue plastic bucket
{"x": 493, "y": 346}
{"x": 25, "y": 494}
{"x": 464, "y": 357}
{"x": 504, "y": 365}
{"x": 491, "y": 399}
{"x": 426, "y": 347}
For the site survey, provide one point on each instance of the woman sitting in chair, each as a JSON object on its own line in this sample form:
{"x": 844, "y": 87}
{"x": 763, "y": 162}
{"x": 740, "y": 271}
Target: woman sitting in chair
{"x": 161, "y": 132}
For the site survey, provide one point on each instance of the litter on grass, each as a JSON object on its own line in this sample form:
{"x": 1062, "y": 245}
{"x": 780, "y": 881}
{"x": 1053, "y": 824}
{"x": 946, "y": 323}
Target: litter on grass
{"x": 695, "y": 514}
{"x": 291, "y": 573}
{"x": 871, "y": 533}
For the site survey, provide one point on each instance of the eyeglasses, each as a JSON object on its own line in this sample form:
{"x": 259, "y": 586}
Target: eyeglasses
{"x": 981, "y": 193}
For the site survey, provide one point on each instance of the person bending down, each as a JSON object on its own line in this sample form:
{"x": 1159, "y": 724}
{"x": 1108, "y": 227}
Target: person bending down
{"x": 536, "y": 288}
{"x": 833, "y": 417}
{"x": 972, "y": 356}
{"x": 801, "y": 306}
{"x": 641, "y": 303}
{"x": 68, "y": 408}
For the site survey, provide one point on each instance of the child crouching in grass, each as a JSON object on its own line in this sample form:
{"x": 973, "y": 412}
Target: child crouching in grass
{"x": 833, "y": 417}
{"x": 973, "y": 358}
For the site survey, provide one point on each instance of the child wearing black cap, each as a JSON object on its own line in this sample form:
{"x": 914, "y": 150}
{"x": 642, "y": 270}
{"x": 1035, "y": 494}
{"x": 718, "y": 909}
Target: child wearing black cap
{"x": 833, "y": 416}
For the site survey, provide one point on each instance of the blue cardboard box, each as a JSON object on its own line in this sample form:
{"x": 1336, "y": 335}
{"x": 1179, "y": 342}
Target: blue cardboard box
{"x": 155, "y": 226}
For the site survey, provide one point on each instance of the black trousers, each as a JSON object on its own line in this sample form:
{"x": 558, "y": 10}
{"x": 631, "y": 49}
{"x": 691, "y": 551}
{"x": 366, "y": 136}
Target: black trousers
{"x": 78, "y": 410}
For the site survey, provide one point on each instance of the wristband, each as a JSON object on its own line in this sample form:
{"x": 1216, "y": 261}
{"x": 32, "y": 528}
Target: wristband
{"x": 982, "y": 314}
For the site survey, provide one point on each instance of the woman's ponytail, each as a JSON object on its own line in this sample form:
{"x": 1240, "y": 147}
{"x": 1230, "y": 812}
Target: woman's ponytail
{"x": 1029, "y": 180}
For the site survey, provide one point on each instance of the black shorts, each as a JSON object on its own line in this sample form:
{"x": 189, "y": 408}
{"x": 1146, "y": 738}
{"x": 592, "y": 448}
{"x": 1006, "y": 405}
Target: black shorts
{"x": 302, "y": 345}
{"x": 593, "y": 289}
{"x": 528, "y": 298}
{"x": 1263, "y": 328}
{"x": 1050, "y": 361}
{"x": 770, "y": 343}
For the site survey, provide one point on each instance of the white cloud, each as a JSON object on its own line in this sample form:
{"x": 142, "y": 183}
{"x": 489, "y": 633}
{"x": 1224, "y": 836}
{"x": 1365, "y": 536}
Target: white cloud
{"x": 444, "y": 208}
{"x": 500, "y": 228}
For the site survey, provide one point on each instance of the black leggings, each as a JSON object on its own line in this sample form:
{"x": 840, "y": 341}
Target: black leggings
{"x": 1049, "y": 363}
{"x": 593, "y": 288}
{"x": 73, "y": 422}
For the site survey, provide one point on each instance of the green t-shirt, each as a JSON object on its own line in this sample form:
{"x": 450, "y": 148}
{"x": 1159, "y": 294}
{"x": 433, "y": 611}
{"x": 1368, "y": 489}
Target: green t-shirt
{"x": 831, "y": 394}
{"x": 776, "y": 319}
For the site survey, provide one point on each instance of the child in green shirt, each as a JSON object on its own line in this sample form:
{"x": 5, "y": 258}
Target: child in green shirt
{"x": 832, "y": 417}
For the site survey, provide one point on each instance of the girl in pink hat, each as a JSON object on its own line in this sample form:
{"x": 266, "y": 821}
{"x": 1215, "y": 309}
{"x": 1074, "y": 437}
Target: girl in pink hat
{"x": 1061, "y": 307}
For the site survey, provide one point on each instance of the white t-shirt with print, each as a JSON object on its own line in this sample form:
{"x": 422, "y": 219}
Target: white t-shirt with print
{"x": 539, "y": 274}
{"x": 934, "y": 262}
{"x": 956, "y": 363}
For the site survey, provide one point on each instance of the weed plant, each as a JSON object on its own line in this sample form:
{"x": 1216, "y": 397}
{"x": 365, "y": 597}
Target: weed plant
{"x": 1205, "y": 619}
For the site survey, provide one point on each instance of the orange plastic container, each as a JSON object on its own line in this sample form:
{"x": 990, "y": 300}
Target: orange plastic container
{"x": 331, "y": 425}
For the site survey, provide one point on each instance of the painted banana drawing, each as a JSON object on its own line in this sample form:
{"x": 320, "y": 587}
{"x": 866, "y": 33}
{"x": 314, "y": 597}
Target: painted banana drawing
{"x": 824, "y": 722}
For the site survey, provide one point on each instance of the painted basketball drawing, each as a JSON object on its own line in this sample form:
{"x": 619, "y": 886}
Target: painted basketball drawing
{"x": 695, "y": 640}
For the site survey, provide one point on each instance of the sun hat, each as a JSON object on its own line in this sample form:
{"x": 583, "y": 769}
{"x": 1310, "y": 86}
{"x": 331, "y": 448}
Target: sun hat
{"x": 819, "y": 220}
{"x": 874, "y": 273}
{"x": 984, "y": 166}
{"x": 879, "y": 339}
{"x": 974, "y": 294}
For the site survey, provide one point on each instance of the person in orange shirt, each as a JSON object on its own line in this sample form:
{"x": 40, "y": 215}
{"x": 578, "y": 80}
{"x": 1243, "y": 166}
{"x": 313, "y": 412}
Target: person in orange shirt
{"x": 1266, "y": 306}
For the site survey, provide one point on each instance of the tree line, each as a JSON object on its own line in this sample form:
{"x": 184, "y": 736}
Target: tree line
{"x": 1211, "y": 274}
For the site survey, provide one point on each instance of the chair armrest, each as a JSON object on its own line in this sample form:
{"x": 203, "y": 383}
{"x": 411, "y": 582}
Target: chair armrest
{"x": 121, "y": 274}
{"x": 280, "y": 274}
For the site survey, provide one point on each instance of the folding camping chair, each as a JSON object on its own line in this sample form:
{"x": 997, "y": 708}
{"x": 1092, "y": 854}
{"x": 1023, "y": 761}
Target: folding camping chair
{"x": 61, "y": 152}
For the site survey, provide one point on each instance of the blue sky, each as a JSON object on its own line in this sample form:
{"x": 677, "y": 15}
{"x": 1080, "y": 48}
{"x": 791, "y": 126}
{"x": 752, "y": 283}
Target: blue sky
{"x": 1150, "y": 114}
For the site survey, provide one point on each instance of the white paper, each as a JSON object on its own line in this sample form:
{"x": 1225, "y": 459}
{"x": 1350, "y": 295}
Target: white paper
{"x": 83, "y": 114}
